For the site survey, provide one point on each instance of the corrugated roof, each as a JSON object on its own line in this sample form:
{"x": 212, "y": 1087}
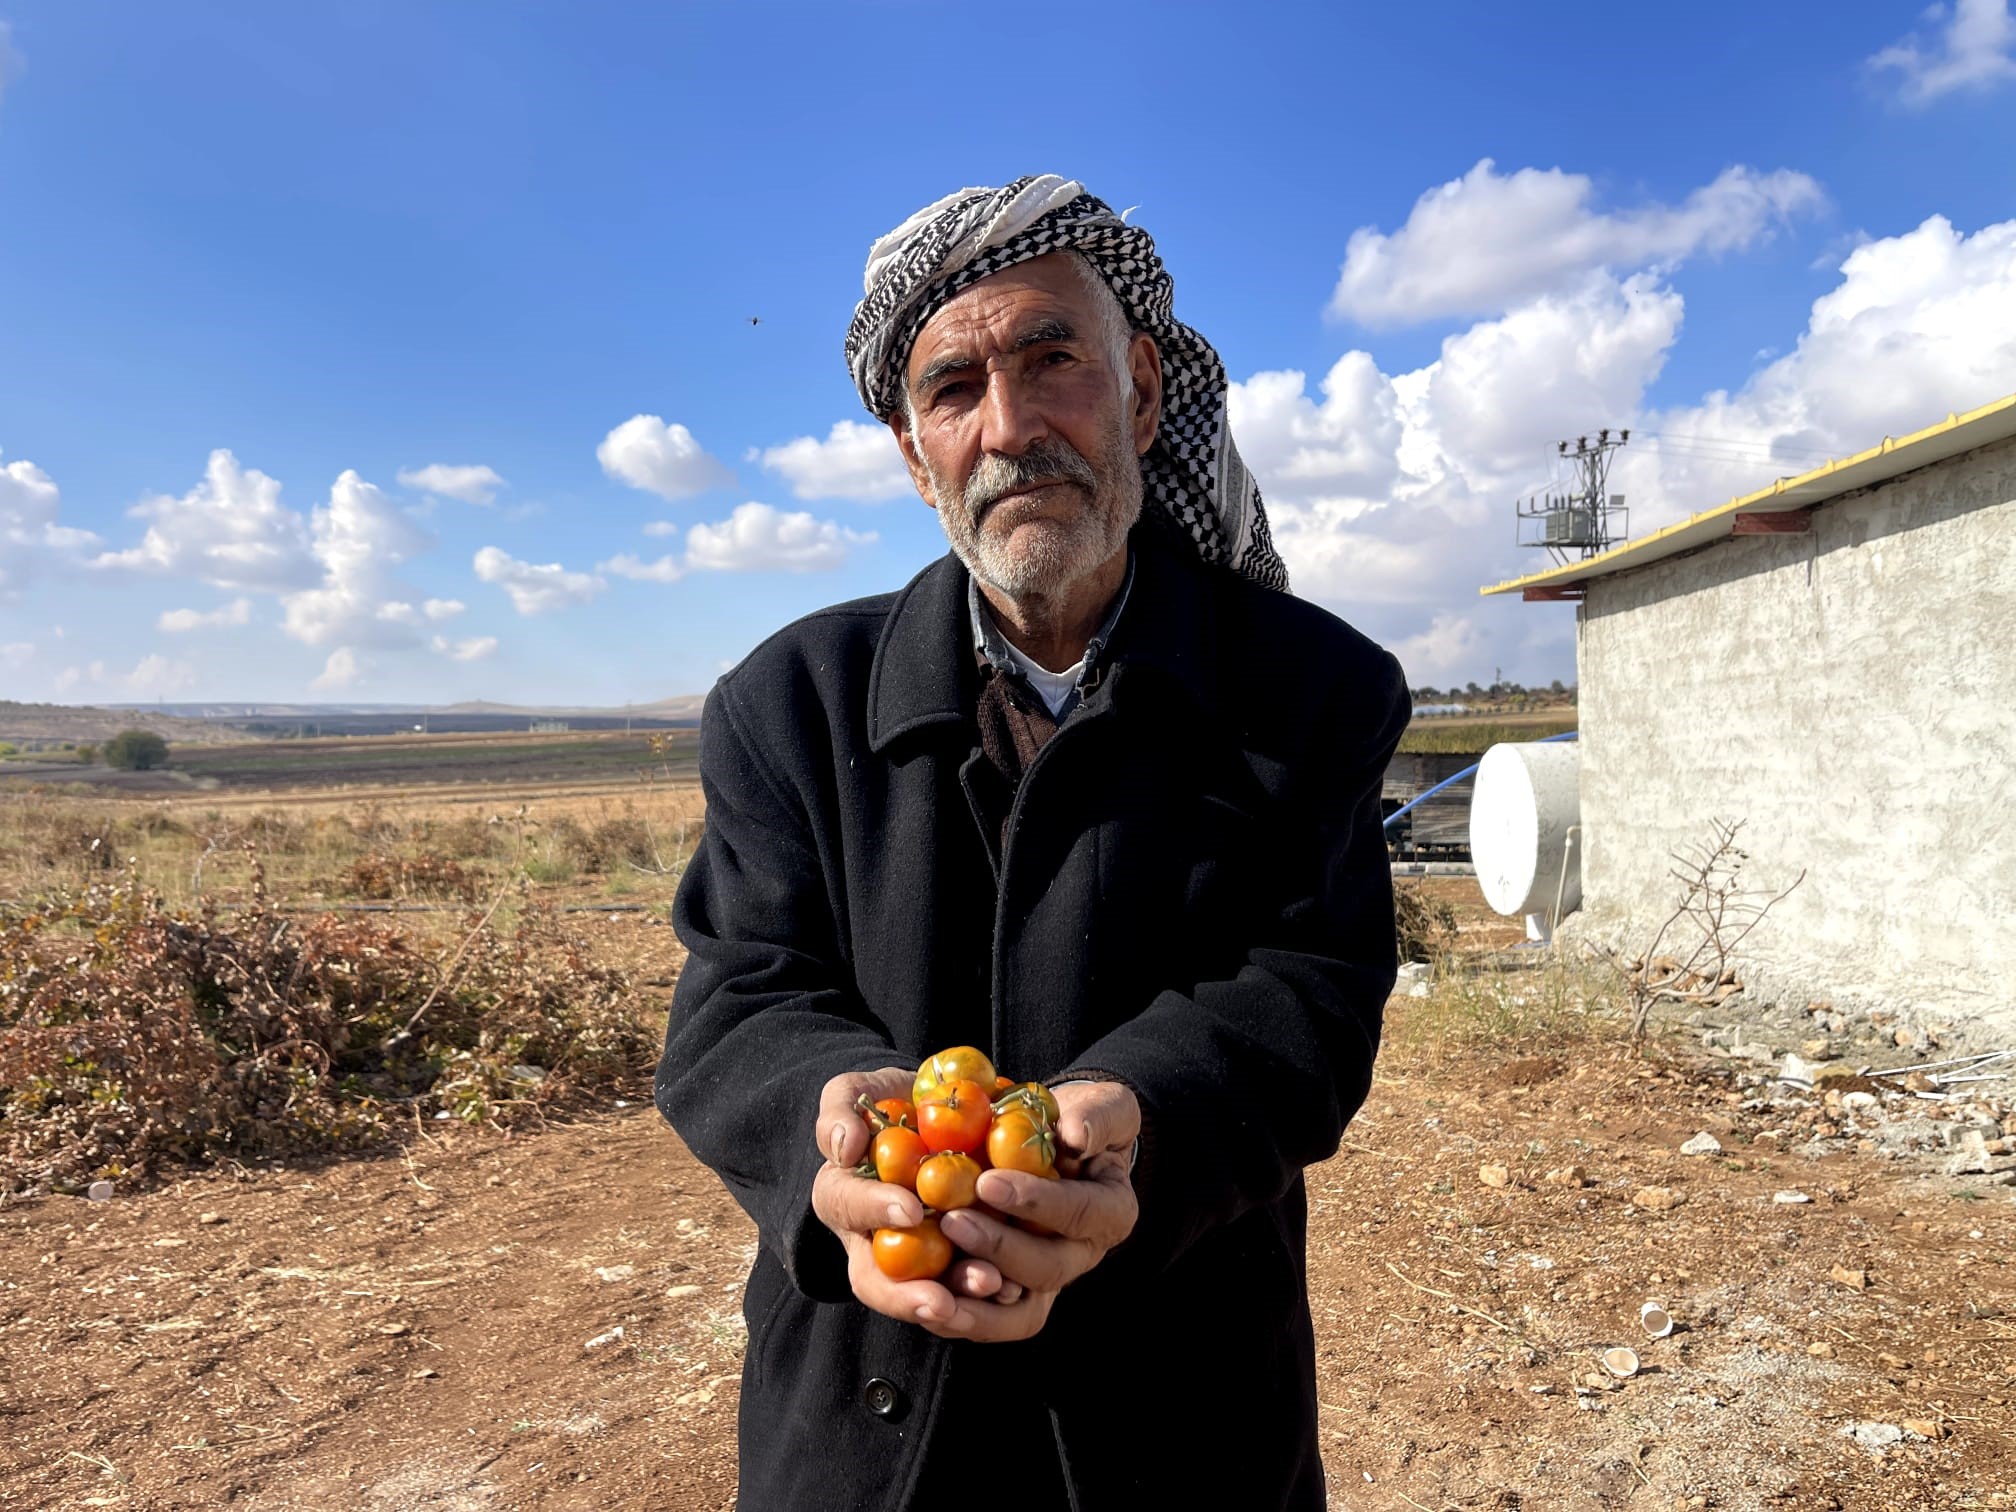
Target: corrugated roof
{"x": 1895, "y": 455}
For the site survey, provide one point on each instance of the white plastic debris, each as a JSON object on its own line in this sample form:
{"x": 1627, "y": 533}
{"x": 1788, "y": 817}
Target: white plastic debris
{"x": 1790, "y": 1197}
{"x": 1655, "y": 1320}
{"x": 614, "y": 1336}
{"x": 99, "y": 1191}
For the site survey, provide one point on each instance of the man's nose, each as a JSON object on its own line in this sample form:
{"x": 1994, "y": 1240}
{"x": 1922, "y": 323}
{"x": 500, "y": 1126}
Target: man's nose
{"x": 1009, "y": 422}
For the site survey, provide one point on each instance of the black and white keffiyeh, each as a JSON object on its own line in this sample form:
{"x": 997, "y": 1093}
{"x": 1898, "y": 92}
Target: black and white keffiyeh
{"x": 1192, "y": 473}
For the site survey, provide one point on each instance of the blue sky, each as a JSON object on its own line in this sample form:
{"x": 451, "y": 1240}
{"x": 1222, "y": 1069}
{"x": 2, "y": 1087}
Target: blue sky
{"x": 349, "y": 243}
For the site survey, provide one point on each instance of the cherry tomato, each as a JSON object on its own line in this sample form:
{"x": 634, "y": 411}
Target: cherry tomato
{"x": 955, "y": 1117}
{"x": 912, "y": 1254}
{"x": 1020, "y": 1140}
{"x": 1002, "y": 1084}
{"x": 945, "y": 1181}
{"x": 962, "y": 1063}
{"x": 898, "y": 1153}
{"x": 881, "y": 1115}
{"x": 1028, "y": 1095}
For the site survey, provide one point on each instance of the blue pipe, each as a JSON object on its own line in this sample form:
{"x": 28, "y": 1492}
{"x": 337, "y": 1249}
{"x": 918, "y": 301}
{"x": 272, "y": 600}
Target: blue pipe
{"x": 1467, "y": 771}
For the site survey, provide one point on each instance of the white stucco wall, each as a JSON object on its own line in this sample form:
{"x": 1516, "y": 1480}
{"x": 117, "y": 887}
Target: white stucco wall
{"x": 1851, "y": 695}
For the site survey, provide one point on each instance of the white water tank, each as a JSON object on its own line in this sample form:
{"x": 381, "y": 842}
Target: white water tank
{"x": 1526, "y": 799}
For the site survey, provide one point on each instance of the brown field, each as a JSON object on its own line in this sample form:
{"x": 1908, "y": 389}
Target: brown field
{"x": 414, "y": 1328}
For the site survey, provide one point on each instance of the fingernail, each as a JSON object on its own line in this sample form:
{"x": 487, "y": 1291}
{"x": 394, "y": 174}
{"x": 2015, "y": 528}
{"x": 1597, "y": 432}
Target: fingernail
{"x": 899, "y": 1215}
{"x": 930, "y": 1313}
{"x": 838, "y": 1141}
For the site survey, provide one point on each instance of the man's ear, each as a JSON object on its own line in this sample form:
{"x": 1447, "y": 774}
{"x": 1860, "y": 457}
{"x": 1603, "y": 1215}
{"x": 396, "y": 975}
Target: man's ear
{"x": 1144, "y": 366}
{"x": 920, "y": 478}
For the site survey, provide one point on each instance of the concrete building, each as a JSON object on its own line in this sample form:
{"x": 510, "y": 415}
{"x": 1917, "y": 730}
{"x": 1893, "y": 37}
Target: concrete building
{"x": 1832, "y": 661}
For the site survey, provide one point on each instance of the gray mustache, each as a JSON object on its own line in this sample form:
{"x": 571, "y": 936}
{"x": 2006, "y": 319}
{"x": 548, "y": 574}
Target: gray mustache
{"x": 1045, "y": 461}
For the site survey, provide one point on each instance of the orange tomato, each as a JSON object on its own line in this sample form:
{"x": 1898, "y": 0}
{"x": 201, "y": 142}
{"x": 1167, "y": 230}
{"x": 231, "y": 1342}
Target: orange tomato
{"x": 961, "y": 1063}
{"x": 945, "y": 1181}
{"x": 880, "y": 1115}
{"x": 1020, "y": 1140}
{"x": 898, "y": 1153}
{"x": 955, "y": 1117}
{"x": 912, "y": 1254}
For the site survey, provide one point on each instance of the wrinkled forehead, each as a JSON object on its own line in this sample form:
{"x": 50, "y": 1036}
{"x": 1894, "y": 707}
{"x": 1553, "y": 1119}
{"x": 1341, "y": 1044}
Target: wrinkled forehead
{"x": 1043, "y": 299}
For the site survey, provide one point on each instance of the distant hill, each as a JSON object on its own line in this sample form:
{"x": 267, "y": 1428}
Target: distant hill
{"x": 213, "y": 722}
{"x": 33, "y": 725}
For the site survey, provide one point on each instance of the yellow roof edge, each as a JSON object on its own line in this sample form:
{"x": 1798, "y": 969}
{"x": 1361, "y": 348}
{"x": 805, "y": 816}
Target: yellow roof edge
{"x": 1888, "y": 446}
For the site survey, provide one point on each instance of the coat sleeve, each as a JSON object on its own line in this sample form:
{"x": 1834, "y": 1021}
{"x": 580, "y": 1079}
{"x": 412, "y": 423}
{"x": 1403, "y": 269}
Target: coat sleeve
{"x": 1243, "y": 1082}
{"x": 765, "y": 1011}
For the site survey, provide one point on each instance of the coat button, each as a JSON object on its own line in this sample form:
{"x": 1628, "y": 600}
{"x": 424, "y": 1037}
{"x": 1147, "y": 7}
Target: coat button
{"x": 882, "y": 1398}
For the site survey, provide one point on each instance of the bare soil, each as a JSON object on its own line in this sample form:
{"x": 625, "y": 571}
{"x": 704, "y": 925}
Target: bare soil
{"x": 420, "y": 1330}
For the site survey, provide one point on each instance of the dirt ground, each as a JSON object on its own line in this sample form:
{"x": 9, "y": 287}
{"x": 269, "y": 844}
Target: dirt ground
{"x": 552, "y": 1320}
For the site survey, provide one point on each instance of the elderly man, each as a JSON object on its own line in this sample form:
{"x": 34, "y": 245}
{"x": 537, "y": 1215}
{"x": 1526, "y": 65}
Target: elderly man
{"x": 1095, "y": 794}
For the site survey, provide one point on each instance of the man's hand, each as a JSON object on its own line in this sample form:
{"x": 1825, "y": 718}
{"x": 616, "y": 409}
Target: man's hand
{"x": 1003, "y": 1287}
{"x": 853, "y": 1207}
{"x": 1097, "y": 1125}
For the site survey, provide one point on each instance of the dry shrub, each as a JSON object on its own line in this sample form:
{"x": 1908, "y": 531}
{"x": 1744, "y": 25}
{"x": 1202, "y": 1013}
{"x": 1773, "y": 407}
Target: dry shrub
{"x": 68, "y": 840}
{"x": 423, "y": 876}
{"x": 1427, "y": 926}
{"x": 465, "y": 839}
{"x": 607, "y": 846}
{"x": 277, "y": 834}
{"x": 156, "y": 824}
{"x": 133, "y": 1038}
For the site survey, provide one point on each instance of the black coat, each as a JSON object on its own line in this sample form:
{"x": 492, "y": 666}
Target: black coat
{"x": 1193, "y": 896}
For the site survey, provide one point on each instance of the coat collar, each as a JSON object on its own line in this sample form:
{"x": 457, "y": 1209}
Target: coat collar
{"x": 924, "y": 673}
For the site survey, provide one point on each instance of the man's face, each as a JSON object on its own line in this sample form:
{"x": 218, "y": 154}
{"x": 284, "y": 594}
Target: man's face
{"x": 1028, "y": 429}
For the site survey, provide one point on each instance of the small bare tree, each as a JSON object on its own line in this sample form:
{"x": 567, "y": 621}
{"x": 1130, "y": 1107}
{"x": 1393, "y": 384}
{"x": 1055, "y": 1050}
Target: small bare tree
{"x": 1722, "y": 913}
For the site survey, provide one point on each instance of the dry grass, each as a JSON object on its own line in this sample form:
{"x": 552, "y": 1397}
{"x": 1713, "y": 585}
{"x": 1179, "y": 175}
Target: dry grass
{"x": 1540, "y": 1005}
{"x": 185, "y": 983}
{"x": 328, "y": 847}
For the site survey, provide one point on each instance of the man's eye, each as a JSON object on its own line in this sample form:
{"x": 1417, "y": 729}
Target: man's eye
{"x": 1053, "y": 358}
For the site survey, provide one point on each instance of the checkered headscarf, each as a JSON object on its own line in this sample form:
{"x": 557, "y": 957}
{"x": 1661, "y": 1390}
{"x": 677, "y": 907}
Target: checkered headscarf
{"x": 1192, "y": 474}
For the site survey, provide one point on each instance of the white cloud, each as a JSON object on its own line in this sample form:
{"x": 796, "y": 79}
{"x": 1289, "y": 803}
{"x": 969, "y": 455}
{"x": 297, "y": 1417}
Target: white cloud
{"x": 231, "y": 531}
{"x": 1391, "y": 494}
{"x": 758, "y": 538}
{"x": 442, "y": 609}
{"x": 1452, "y": 645}
{"x": 857, "y": 460}
{"x": 180, "y": 621}
{"x": 1347, "y": 446}
{"x": 475, "y": 648}
{"x": 1974, "y": 50}
{"x": 1481, "y": 244}
{"x": 1918, "y": 326}
{"x": 360, "y": 535}
{"x": 29, "y": 532}
{"x": 156, "y": 676}
{"x": 536, "y": 589}
{"x": 472, "y": 485}
{"x": 755, "y": 538}
{"x": 75, "y": 676}
{"x": 663, "y": 528}
{"x": 340, "y": 671}
{"x": 646, "y": 453}
{"x": 666, "y": 569}
{"x": 12, "y": 64}
{"x": 17, "y": 654}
